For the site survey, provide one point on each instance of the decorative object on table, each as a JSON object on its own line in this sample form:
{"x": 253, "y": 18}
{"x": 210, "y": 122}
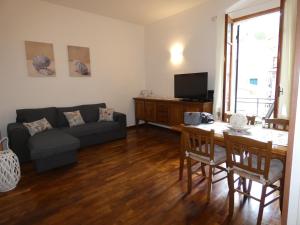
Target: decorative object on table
{"x": 106, "y": 114}
{"x": 10, "y": 172}
{"x": 146, "y": 93}
{"x": 38, "y": 126}
{"x": 196, "y": 118}
{"x": 79, "y": 61}
{"x": 192, "y": 118}
{"x": 207, "y": 117}
{"x": 40, "y": 59}
{"x": 238, "y": 122}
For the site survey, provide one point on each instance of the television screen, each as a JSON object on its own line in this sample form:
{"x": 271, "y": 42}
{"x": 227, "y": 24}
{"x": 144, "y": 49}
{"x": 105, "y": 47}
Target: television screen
{"x": 191, "y": 86}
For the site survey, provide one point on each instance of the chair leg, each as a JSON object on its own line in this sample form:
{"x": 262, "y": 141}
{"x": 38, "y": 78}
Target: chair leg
{"x": 244, "y": 183}
{"x": 239, "y": 183}
{"x": 281, "y": 193}
{"x": 231, "y": 193}
{"x": 262, "y": 204}
{"x": 182, "y": 157}
{"x": 244, "y": 186}
{"x": 189, "y": 169}
{"x": 181, "y": 166}
{"x": 203, "y": 169}
{"x": 209, "y": 182}
{"x": 249, "y": 187}
{"x": 227, "y": 175}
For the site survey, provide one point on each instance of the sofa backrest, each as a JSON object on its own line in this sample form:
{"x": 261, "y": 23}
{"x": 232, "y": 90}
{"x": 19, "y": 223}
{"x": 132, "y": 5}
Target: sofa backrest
{"x": 30, "y": 115}
{"x": 56, "y": 117}
{"x": 89, "y": 113}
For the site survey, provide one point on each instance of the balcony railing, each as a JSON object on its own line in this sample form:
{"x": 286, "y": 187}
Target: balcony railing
{"x": 254, "y": 106}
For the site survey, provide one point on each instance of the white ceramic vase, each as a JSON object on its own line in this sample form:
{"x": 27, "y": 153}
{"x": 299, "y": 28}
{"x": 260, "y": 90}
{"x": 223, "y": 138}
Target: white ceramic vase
{"x": 238, "y": 121}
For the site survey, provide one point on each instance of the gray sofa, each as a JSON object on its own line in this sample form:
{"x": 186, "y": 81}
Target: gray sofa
{"x": 59, "y": 146}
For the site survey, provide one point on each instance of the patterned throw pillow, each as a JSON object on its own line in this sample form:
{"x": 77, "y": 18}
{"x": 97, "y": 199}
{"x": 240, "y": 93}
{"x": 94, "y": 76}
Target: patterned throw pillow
{"x": 106, "y": 114}
{"x": 37, "y": 126}
{"x": 74, "y": 118}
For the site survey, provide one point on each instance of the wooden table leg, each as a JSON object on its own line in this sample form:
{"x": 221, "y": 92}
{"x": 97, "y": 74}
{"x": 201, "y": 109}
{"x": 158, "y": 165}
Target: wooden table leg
{"x": 282, "y": 185}
{"x": 182, "y": 157}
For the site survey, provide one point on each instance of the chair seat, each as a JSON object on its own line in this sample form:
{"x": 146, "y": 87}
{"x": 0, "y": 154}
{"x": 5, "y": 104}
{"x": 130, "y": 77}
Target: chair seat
{"x": 275, "y": 171}
{"x": 219, "y": 156}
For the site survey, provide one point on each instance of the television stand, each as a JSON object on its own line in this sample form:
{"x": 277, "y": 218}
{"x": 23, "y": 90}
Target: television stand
{"x": 168, "y": 112}
{"x": 193, "y": 100}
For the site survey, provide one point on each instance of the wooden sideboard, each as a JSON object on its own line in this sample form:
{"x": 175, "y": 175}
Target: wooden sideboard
{"x": 167, "y": 112}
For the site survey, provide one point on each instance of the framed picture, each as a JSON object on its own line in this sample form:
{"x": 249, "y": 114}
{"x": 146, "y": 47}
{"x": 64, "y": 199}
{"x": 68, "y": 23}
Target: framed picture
{"x": 40, "y": 59}
{"x": 79, "y": 61}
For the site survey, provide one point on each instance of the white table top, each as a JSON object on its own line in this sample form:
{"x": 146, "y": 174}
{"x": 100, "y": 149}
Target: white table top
{"x": 257, "y": 132}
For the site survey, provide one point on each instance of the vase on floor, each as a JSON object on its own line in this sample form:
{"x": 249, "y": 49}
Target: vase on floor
{"x": 10, "y": 172}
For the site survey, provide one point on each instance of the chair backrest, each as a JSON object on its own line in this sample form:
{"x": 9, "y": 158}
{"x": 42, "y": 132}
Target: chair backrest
{"x": 278, "y": 124}
{"x": 251, "y": 120}
{"x": 198, "y": 141}
{"x": 248, "y": 154}
{"x": 227, "y": 117}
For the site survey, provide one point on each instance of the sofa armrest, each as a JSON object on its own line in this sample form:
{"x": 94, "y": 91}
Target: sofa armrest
{"x": 120, "y": 118}
{"x": 18, "y": 136}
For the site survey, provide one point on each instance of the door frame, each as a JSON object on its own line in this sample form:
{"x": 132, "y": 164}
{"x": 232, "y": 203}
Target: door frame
{"x": 230, "y": 21}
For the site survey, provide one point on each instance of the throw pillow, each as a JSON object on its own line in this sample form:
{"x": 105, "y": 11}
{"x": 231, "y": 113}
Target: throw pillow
{"x": 38, "y": 126}
{"x": 106, "y": 114}
{"x": 74, "y": 118}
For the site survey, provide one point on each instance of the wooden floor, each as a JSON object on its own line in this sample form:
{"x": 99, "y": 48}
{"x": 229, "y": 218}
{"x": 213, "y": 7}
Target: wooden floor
{"x": 125, "y": 182}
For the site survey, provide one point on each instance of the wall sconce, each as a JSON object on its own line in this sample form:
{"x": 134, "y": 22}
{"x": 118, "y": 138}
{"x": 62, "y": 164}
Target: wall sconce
{"x": 176, "y": 53}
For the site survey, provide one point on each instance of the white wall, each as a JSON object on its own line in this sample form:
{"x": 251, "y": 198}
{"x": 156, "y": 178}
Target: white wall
{"x": 292, "y": 184}
{"x": 196, "y": 29}
{"x": 294, "y": 191}
{"x": 116, "y": 49}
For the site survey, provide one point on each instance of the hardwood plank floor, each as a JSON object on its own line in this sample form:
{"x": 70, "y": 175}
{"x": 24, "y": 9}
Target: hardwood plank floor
{"x": 126, "y": 182}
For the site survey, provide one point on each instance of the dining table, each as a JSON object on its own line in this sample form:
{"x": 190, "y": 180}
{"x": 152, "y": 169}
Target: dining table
{"x": 257, "y": 132}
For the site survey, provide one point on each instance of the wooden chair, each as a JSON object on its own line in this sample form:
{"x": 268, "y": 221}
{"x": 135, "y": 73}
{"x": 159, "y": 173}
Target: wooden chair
{"x": 252, "y": 160}
{"x": 200, "y": 147}
{"x": 251, "y": 120}
{"x": 278, "y": 124}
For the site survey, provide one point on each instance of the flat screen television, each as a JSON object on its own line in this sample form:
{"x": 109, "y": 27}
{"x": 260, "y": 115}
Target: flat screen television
{"x": 191, "y": 86}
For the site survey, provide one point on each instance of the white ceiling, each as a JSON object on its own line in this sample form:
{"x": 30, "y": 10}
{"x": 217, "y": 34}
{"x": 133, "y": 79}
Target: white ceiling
{"x": 245, "y": 7}
{"x": 136, "y": 11}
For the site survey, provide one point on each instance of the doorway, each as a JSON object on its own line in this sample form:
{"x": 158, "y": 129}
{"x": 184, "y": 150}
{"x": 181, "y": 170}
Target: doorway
{"x": 251, "y": 65}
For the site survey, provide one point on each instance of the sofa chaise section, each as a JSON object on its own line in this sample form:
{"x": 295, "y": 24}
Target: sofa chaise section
{"x": 52, "y": 149}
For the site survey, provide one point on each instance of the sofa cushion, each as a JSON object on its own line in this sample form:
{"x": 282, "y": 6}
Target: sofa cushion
{"x": 38, "y": 126}
{"x": 74, "y": 118}
{"x": 106, "y": 114}
{"x": 89, "y": 113}
{"x": 50, "y": 143}
{"x": 92, "y": 128}
{"x": 31, "y": 115}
